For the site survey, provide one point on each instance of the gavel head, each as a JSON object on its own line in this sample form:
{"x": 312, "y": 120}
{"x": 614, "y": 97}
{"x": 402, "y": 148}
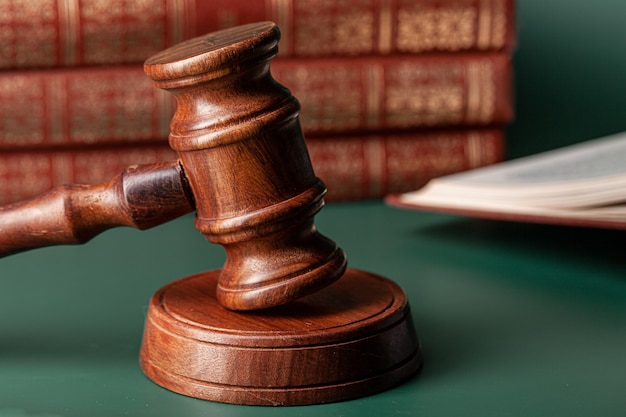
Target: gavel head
{"x": 242, "y": 149}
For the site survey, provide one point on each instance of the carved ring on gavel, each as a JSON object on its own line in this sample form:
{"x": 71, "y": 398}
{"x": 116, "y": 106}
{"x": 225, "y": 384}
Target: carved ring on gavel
{"x": 244, "y": 167}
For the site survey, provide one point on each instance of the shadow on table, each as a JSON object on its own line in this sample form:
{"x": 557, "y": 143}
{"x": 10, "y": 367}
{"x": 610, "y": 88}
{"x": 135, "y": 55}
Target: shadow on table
{"x": 602, "y": 245}
{"x": 517, "y": 291}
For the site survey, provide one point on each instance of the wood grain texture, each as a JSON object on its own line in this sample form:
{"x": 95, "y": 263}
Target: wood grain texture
{"x": 351, "y": 339}
{"x": 142, "y": 196}
{"x": 239, "y": 139}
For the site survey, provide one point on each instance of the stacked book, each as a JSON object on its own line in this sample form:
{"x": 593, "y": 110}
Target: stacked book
{"x": 393, "y": 92}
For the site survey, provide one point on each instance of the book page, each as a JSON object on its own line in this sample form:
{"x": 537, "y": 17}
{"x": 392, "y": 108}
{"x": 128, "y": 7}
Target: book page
{"x": 585, "y": 161}
{"x": 583, "y": 184}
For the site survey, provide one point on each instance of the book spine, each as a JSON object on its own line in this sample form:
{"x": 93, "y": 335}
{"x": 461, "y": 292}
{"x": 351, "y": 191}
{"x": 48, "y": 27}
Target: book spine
{"x": 372, "y": 166}
{"x": 87, "y": 106}
{"x": 357, "y": 167}
{"x": 24, "y": 175}
{"x": 52, "y": 33}
{"x": 384, "y": 27}
{"x": 399, "y": 91}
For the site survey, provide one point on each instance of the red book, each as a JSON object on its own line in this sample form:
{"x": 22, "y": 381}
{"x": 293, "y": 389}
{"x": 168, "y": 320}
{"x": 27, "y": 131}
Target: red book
{"x": 372, "y": 166}
{"x": 52, "y": 33}
{"x": 107, "y": 105}
{"x": 399, "y": 91}
{"x": 357, "y": 167}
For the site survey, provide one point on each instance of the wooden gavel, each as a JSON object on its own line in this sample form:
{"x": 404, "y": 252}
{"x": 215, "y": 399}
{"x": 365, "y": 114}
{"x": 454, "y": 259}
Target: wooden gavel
{"x": 243, "y": 166}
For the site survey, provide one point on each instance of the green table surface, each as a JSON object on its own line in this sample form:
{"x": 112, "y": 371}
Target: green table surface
{"x": 515, "y": 319}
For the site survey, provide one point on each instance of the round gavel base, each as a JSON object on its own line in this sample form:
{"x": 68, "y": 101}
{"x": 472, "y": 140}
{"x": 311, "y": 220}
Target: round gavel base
{"x": 351, "y": 339}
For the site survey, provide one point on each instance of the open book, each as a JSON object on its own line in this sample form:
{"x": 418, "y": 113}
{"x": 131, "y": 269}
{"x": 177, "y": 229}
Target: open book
{"x": 581, "y": 185}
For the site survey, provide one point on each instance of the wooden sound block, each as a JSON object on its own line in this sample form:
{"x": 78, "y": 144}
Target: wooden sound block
{"x": 351, "y": 339}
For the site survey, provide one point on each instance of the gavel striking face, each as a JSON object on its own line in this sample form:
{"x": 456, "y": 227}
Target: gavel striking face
{"x": 244, "y": 167}
{"x": 243, "y": 161}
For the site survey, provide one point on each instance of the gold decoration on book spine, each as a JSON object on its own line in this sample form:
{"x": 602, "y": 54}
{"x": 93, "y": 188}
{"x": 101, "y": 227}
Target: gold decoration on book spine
{"x": 130, "y": 29}
{"x": 340, "y": 164}
{"x": 22, "y": 111}
{"x": 474, "y": 149}
{"x": 62, "y": 169}
{"x": 432, "y": 156}
{"x": 423, "y": 26}
{"x": 322, "y": 107}
{"x": 431, "y": 25}
{"x": 386, "y": 26}
{"x": 485, "y": 19}
{"x": 375, "y": 153}
{"x": 375, "y": 86}
{"x": 82, "y": 107}
{"x": 480, "y": 92}
{"x": 348, "y": 27}
{"x": 56, "y": 98}
{"x": 492, "y": 24}
{"x": 69, "y": 31}
{"x": 481, "y": 150}
{"x": 23, "y": 176}
{"x": 47, "y": 33}
{"x": 116, "y": 107}
{"x": 500, "y": 25}
{"x": 429, "y": 95}
{"x": 281, "y": 12}
{"x": 28, "y": 36}
{"x": 96, "y": 166}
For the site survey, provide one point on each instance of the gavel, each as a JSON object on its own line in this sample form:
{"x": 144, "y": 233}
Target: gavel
{"x": 244, "y": 168}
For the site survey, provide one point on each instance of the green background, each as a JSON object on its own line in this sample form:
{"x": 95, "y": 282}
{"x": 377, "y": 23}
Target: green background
{"x": 515, "y": 319}
{"x": 570, "y": 67}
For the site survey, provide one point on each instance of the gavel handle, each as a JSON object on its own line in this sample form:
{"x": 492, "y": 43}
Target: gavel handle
{"x": 141, "y": 196}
